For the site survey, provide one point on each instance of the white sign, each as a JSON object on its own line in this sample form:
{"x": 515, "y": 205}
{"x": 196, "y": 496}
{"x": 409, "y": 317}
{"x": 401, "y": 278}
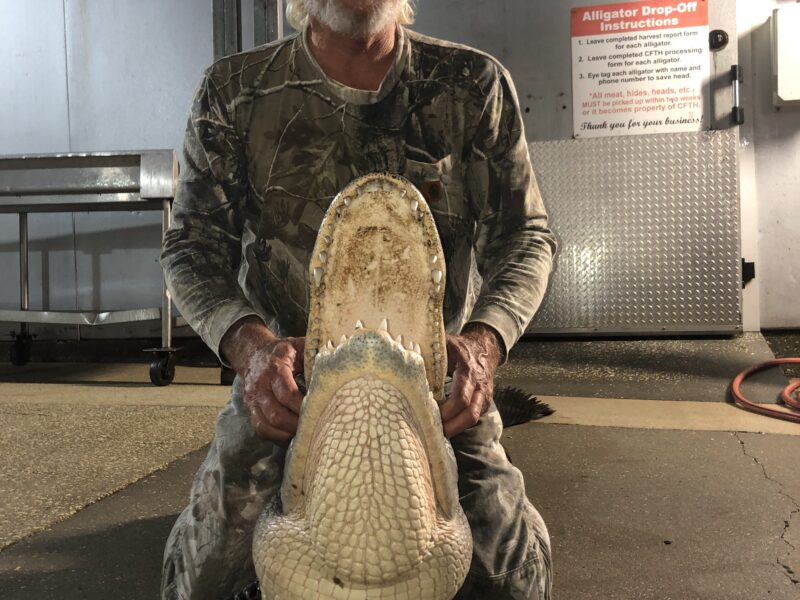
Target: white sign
{"x": 639, "y": 67}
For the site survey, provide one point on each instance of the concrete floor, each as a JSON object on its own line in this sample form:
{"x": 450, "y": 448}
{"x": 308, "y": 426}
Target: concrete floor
{"x": 645, "y": 499}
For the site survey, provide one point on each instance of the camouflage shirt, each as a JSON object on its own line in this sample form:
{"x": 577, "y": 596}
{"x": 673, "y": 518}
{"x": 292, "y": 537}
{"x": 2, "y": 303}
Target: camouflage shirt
{"x": 271, "y": 140}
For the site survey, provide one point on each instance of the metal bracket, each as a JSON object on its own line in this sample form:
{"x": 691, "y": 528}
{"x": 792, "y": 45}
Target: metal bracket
{"x": 748, "y": 272}
{"x": 736, "y": 80}
{"x": 269, "y": 21}
{"x": 227, "y": 21}
{"x": 718, "y": 40}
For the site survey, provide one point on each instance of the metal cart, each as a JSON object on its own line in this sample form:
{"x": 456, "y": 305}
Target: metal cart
{"x": 104, "y": 181}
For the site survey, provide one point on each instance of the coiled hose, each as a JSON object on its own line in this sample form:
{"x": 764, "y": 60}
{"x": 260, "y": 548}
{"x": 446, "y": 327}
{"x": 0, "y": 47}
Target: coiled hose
{"x": 787, "y": 395}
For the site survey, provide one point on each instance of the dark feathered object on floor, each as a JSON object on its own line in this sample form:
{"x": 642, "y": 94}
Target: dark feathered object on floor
{"x": 517, "y": 406}
{"x": 251, "y": 592}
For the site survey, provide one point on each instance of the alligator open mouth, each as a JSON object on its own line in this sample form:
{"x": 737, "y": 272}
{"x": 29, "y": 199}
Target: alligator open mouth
{"x": 369, "y": 502}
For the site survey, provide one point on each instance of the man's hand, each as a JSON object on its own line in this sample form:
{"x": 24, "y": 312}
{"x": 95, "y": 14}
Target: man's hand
{"x": 472, "y": 359}
{"x": 267, "y": 366}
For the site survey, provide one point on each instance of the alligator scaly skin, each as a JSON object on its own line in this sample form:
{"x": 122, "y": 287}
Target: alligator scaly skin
{"x": 369, "y": 502}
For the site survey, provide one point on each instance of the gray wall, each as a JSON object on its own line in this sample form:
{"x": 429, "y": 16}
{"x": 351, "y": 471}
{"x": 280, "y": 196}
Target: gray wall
{"x": 775, "y": 138}
{"x": 532, "y": 40}
{"x": 95, "y": 75}
{"x": 85, "y": 75}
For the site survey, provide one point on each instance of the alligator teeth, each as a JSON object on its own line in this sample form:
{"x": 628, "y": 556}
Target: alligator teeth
{"x": 329, "y": 346}
{"x": 323, "y": 256}
{"x": 359, "y": 324}
{"x": 414, "y": 205}
{"x": 437, "y": 276}
{"x": 343, "y": 340}
{"x": 317, "y": 275}
{"x": 347, "y": 201}
{"x": 417, "y": 349}
{"x": 434, "y": 259}
{"x": 384, "y": 325}
{"x": 399, "y": 339}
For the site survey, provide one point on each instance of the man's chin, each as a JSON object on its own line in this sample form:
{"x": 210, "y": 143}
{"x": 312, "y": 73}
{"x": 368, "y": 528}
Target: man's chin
{"x": 358, "y": 25}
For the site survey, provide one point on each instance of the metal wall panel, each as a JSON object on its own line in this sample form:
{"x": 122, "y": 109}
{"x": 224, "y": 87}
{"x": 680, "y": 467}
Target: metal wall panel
{"x": 649, "y": 233}
{"x": 776, "y": 140}
{"x": 649, "y": 242}
{"x": 134, "y": 67}
{"x": 33, "y": 105}
{"x": 34, "y": 117}
{"x": 532, "y": 40}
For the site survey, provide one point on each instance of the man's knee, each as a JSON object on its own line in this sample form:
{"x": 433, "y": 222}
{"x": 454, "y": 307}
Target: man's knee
{"x": 209, "y": 547}
{"x": 511, "y": 556}
{"x": 527, "y": 582}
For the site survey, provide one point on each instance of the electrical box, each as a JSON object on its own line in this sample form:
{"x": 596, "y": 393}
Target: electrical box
{"x": 786, "y": 55}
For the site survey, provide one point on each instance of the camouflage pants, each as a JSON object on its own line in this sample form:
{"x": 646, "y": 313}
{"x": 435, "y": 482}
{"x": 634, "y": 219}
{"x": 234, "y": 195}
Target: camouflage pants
{"x": 208, "y": 553}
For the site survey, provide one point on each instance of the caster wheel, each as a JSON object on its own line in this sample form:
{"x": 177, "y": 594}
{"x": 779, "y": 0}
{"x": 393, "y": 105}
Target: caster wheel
{"x": 20, "y": 352}
{"x": 19, "y": 355}
{"x": 162, "y": 370}
{"x": 226, "y": 376}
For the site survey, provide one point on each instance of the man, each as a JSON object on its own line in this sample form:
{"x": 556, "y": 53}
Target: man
{"x": 274, "y": 134}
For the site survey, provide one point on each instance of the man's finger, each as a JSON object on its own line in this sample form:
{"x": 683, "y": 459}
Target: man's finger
{"x": 299, "y": 344}
{"x": 455, "y": 356}
{"x": 291, "y": 351}
{"x": 285, "y": 389}
{"x": 461, "y": 422}
{"x": 278, "y": 415}
{"x": 478, "y": 406}
{"x": 263, "y": 428}
{"x": 460, "y": 394}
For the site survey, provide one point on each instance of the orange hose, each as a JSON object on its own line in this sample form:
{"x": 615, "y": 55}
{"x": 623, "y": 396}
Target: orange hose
{"x": 786, "y": 395}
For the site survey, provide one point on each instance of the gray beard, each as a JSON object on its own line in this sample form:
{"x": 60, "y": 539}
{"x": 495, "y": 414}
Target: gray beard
{"x": 344, "y": 21}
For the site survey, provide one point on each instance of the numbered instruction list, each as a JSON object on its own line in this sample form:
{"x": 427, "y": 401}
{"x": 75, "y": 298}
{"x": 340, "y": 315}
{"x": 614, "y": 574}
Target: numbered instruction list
{"x": 639, "y": 67}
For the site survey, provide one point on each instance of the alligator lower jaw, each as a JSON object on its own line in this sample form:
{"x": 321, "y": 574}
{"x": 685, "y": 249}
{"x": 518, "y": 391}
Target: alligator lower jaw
{"x": 369, "y": 503}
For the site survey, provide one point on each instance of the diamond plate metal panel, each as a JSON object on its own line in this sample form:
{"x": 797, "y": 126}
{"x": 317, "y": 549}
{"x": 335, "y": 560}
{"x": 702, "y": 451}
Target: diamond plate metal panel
{"x": 649, "y": 232}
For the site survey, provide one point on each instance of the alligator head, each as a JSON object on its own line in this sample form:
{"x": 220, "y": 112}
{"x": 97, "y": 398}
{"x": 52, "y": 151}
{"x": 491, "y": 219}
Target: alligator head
{"x": 369, "y": 501}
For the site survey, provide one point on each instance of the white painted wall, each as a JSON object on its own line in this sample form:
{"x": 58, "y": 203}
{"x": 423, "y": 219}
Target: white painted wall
{"x": 771, "y": 174}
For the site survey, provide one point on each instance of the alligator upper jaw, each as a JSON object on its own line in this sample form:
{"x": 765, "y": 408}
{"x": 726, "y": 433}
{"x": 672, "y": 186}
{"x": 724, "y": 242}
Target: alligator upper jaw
{"x": 378, "y": 256}
{"x": 374, "y": 354}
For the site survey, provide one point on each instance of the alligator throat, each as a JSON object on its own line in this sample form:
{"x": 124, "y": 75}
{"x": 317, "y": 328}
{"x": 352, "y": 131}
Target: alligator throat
{"x": 384, "y": 503}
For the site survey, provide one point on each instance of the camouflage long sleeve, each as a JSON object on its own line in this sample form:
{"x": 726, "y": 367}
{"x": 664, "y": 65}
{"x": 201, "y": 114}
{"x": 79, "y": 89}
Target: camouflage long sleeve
{"x": 514, "y": 246}
{"x": 202, "y": 250}
{"x": 271, "y": 141}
